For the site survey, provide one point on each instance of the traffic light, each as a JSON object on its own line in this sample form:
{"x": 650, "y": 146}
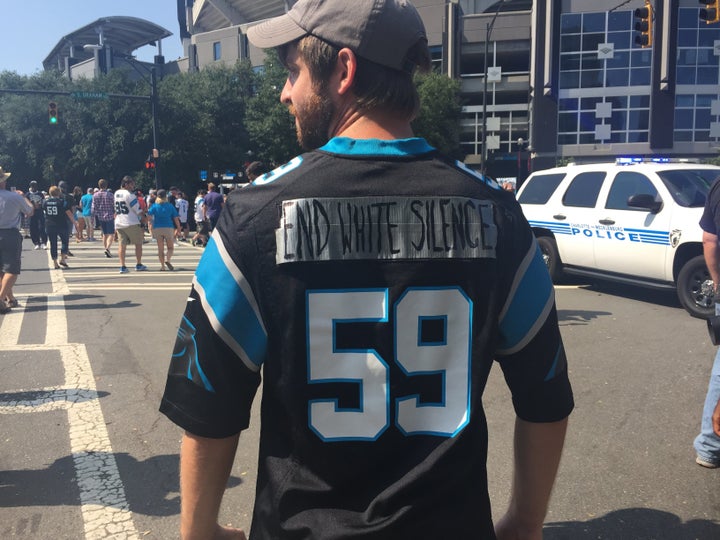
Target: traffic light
{"x": 711, "y": 13}
{"x": 150, "y": 163}
{"x": 643, "y": 24}
{"x": 52, "y": 113}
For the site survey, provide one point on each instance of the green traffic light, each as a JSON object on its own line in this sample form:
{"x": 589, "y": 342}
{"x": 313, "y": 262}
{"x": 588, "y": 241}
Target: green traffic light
{"x": 52, "y": 113}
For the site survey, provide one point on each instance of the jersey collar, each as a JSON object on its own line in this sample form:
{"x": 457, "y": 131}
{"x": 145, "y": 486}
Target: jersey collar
{"x": 377, "y": 147}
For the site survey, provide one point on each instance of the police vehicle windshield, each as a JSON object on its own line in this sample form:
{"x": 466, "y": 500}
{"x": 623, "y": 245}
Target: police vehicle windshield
{"x": 689, "y": 187}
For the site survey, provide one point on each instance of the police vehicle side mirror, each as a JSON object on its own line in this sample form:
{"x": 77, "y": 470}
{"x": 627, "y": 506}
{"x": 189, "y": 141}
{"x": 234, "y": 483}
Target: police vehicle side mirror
{"x": 646, "y": 201}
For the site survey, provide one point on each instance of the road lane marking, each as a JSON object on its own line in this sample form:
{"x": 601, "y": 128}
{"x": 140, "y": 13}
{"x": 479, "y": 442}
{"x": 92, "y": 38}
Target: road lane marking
{"x": 10, "y": 325}
{"x": 104, "y": 507}
{"x": 56, "y": 333}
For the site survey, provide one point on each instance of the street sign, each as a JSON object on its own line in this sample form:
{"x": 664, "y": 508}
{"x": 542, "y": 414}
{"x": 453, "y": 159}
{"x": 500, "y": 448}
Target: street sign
{"x": 203, "y": 174}
{"x": 89, "y": 95}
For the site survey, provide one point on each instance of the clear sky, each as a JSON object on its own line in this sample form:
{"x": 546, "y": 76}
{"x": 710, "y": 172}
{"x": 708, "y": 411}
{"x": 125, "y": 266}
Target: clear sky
{"x": 32, "y": 28}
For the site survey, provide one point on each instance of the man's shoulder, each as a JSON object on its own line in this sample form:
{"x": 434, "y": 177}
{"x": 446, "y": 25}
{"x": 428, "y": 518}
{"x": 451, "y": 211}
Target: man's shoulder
{"x": 14, "y": 196}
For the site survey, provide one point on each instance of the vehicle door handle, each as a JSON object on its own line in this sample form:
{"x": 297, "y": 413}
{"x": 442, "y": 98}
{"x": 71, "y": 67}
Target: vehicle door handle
{"x": 607, "y": 222}
{"x": 559, "y": 216}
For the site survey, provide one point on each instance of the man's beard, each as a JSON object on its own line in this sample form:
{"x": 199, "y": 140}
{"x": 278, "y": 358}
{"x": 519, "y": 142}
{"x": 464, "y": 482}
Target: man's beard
{"x": 313, "y": 121}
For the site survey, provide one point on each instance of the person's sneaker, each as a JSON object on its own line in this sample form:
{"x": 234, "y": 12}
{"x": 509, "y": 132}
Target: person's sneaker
{"x": 706, "y": 463}
{"x": 124, "y": 270}
{"x": 44, "y": 246}
{"x": 13, "y": 303}
{"x": 169, "y": 266}
{"x": 140, "y": 267}
{"x": 4, "y": 308}
{"x": 70, "y": 253}
{"x": 63, "y": 264}
{"x": 107, "y": 253}
{"x": 37, "y": 246}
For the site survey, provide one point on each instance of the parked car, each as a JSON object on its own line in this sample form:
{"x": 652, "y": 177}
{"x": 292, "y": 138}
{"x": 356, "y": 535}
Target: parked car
{"x": 635, "y": 223}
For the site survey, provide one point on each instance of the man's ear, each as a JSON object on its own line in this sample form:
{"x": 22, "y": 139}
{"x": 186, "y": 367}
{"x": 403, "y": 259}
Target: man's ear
{"x": 345, "y": 71}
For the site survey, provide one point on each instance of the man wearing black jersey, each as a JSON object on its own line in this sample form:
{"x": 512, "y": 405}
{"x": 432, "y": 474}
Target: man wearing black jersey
{"x": 374, "y": 281}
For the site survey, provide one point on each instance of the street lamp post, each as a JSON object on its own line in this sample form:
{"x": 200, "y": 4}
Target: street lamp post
{"x": 488, "y": 32}
{"x": 155, "y": 128}
{"x": 154, "y": 105}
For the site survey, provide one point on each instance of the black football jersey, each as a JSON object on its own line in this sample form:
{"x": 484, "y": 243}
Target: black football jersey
{"x": 55, "y": 209}
{"x": 372, "y": 283}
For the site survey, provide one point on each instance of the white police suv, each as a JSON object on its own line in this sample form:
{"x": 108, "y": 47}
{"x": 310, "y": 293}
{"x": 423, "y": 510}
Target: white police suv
{"x": 635, "y": 223}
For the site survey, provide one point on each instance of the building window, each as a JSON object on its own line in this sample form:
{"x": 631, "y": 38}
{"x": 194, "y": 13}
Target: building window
{"x": 604, "y": 80}
{"x": 217, "y": 51}
{"x": 697, "y": 99}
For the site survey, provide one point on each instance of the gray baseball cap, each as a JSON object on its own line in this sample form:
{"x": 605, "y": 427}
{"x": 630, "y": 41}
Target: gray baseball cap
{"x": 382, "y": 31}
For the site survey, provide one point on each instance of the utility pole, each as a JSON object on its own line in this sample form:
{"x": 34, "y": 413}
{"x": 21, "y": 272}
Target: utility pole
{"x": 488, "y": 32}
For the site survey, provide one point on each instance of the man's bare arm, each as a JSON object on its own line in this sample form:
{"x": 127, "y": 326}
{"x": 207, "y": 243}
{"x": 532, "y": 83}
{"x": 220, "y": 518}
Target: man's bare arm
{"x": 538, "y": 447}
{"x": 712, "y": 260}
{"x": 205, "y": 466}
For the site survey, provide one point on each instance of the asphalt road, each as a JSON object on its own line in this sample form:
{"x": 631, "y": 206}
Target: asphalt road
{"x": 84, "y": 453}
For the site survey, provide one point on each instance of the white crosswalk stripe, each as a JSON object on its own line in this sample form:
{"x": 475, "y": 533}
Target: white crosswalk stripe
{"x": 103, "y": 504}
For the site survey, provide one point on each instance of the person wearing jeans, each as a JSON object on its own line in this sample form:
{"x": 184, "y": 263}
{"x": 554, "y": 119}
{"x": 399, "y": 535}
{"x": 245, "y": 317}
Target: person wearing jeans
{"x": 56, "y": 213}
{"x": 707, "y": 443}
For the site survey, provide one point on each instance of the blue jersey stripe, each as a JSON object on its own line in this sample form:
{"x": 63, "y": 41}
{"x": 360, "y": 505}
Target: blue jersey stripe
{"x": 230, "y": 304}
{"x": 377, "y": 147}
{"x": 530, "y": 300}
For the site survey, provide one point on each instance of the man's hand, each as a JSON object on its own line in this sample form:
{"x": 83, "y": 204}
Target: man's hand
{"x": 229, "y": 533}
{"x": 509, "y": 528}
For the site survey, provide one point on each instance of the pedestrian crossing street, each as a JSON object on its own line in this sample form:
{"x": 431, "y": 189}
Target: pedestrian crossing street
{"x": 90, "y": 270}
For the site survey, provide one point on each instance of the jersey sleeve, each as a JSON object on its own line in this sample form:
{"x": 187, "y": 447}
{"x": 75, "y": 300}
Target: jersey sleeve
{"x": 530, "y": 349}
{"x": 133, "y": 203}
{"x": 221, "y": 344}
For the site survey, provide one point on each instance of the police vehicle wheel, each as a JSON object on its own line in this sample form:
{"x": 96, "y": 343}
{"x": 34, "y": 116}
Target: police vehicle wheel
{"x": 550, "y": 255}
{"x": 689, "y": 289}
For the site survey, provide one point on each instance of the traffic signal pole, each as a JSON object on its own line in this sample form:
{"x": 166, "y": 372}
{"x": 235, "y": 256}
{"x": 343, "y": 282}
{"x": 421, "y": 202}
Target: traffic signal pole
{"x": 155, "y": 128}
{"x": 153, "y": 98}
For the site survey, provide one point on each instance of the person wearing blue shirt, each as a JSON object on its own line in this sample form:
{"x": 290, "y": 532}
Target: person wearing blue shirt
{"x": 164, "y": 219}
{"x": 86, "y": 214}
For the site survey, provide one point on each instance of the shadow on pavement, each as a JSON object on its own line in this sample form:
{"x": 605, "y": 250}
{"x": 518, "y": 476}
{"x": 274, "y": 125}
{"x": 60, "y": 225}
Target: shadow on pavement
{"x": 151, "y": 486}
{"x": 98, "y": 305}
{"x": 634, "y": 524}
{"x": 663, "y": 297}
{"x": 571, "y": 317}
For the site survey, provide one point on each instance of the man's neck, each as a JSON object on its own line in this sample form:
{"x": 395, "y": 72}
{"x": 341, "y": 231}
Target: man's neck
{"x": 356, "y": 124}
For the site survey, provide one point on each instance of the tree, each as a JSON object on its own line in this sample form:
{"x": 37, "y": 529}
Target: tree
{"x": 92, "y": 139}
{"x": 440, "y": 110}
{"x": 216, "y": 119}
{"x": 270, "y": 125}
{"x": 202, "y": 122}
